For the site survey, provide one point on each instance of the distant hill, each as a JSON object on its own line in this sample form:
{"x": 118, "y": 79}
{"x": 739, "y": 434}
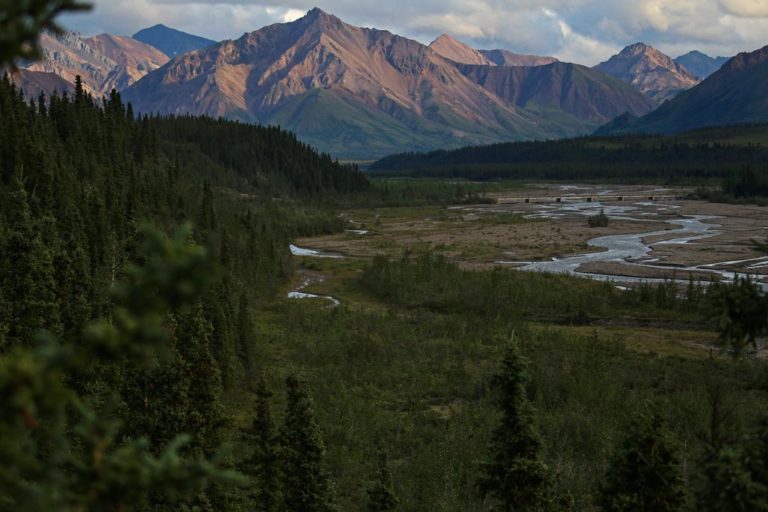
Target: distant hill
{"x": 700, "y": 154}
{"x": 650, "y": 71}
{"x": 361, "y": 93}
{"x": 170, "y": 41}
{"x": 32, "y": 83}
{"x": 736, "y": 94}
{"x": 700, "y": 64}
{"x": 104, "y": 61}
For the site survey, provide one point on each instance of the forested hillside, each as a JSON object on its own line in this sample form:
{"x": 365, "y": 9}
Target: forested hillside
{"x": 78, "y": 180}
{"x": 711, "y": 153}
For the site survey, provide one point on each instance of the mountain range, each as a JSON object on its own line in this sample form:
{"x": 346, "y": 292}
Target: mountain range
{"x": 650, "y": 71}
{"x": 360, "y": 92}
{"x": 363, "y": 93}
{"x": 103, "y": 62}
{"x": 735, "y": 94}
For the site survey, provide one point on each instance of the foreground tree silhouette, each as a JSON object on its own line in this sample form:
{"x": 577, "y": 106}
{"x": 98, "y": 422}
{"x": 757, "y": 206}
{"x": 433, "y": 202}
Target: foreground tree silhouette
{"x": 515, "y": 476}
{"x": 58, "y": 451}
{"x": 21, "y": 22}
{"x": 305, "y": 485}
{"x": 646, "y": 473}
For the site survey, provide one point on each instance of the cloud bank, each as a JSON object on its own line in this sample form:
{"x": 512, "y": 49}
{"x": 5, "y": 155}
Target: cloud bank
{"x": 583, "y": 31}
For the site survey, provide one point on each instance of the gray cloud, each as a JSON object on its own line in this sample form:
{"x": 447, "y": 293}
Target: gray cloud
{"x": 585, "y": 31}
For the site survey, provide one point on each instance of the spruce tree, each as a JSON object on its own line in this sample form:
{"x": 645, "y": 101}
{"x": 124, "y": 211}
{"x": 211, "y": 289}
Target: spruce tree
{"x": 737, "y": 476}
{"x": 514, "y": 474}
{"x": 262, "y": 465}
{"x": 645, "y": 473}
{"x": 305, "y": 485}
{"x": 26, "y": 273}
{"x": 204, "y": 416}
{"x": 245, "y": 348}
{"x": 381, "y": 497}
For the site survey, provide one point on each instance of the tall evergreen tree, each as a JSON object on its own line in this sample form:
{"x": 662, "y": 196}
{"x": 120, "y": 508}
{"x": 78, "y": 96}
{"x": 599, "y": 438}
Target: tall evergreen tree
{"x": 262, "y": 466}
{"x": 646, "y": 472}
{"x": 204, "y": 417}
{"x": 515, "y": 475}
{"x": 381, "y": 497}
{"x": 305, "y": 485}
{"x": 26, "y": 273}
{"x": 245, "y": 348}
{"x": 737, "y": 476}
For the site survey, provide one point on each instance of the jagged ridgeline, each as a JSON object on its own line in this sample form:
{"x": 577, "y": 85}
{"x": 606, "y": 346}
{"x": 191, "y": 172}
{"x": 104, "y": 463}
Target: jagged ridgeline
{"x": 78, "y": 176}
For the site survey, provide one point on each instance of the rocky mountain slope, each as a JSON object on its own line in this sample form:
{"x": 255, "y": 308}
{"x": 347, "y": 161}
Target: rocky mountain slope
{"x": 455, "y": 50}
{"x": 650, "y": 71}
{"x": 584, "y": 93}
{"x": 507, "y": 58}
{"x": 104, "y": 62}
{"x": 361, "y": 92}
{"x": 170, "y": 41}
{"x": 735, "y": 94}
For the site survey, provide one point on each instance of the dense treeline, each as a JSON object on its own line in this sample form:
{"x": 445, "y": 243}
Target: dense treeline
{"x": 78, "y": 177}
{"x": 588, "y": 158}
{"x": 269, "y": 159}
{"x": 431, "y": 281}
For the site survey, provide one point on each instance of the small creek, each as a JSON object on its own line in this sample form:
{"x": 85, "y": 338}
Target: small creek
{"x": 299, "y": 293}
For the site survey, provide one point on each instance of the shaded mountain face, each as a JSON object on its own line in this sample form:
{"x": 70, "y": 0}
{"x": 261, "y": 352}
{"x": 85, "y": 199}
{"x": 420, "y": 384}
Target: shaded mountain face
{"x": 353, "y": 91}
{"x": 735, "y": 94}
{"x": 650, "y": 71}
{"x": 33, "y": 83}
{"x": 170, "y": 41}
{"x": 586, "y": 94}
{"x": 457, "y": 51}
{"x": 699, "y": 64}
{"x": 104, "y": 62}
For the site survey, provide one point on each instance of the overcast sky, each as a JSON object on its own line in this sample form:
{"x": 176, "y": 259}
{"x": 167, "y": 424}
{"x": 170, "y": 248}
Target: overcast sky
{"x": 583, "y": 31}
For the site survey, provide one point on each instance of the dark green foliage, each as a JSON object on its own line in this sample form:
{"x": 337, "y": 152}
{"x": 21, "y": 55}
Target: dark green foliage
{"x": 60, "y": 453}
{"x": 600, "y": 220}
{"x": 69, "y": 231}
{"x": 431, "y": 281}
{"x": 737, "y": 476}
{"x": 736, "y": 155}
{"x": 26, "y": 272}
{"x": 262, "y": 466}
{"x": 743, "y": 315}
{"x": 381, "y": 497}
{"x": 646, "y": 473}
{"x": 515, "y": 475}
{"x": 746, "y": 182}
{"x": 305, "y": 485}
{"x": 21, "y": 22}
